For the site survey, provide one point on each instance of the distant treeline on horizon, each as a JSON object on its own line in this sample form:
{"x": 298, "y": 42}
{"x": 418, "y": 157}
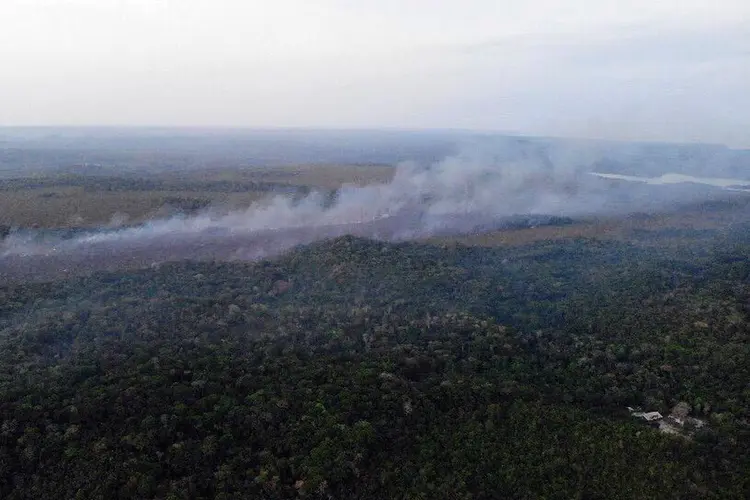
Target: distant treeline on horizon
{"x": 186, "y": 148}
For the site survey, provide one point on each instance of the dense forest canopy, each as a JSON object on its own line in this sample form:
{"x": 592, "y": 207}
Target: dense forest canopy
{"x": 352, "y": 368}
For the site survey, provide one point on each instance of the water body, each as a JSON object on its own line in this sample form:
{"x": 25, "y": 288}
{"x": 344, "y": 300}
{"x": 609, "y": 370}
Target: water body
{"x": 729, "y": 184}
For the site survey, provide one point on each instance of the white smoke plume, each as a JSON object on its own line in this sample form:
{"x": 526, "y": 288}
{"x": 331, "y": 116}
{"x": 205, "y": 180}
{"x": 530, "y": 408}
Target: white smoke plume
{"x": 476, "y": 190}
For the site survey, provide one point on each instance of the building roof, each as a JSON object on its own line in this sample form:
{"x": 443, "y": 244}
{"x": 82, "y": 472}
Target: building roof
{"x": 652, "y": 415}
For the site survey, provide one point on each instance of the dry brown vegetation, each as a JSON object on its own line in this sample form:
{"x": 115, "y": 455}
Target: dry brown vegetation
{"x": 44, "y": 203}
{"x": 320, "y": 176}
{"x": 73, "y": 206}
{"x": 63, "y": 205}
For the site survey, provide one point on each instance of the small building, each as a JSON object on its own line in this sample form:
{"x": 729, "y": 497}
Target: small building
{"x": 648, "y": 416}
{"x": 652, "y": 416}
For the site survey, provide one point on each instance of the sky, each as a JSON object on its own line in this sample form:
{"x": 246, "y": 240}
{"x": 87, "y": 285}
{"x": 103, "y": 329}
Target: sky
{"x": 674, "y": 70}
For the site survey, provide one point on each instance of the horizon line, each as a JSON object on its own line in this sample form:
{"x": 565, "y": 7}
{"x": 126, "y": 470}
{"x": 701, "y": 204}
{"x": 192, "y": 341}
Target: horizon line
{"x": 361, "y": 129}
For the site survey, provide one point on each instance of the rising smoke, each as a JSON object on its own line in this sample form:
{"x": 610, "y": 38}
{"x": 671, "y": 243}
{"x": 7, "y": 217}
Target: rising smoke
{"x": 479, "y": 189}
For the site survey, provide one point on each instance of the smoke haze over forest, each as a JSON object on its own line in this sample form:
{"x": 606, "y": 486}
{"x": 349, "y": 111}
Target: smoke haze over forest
{"x": 483, "y": 182}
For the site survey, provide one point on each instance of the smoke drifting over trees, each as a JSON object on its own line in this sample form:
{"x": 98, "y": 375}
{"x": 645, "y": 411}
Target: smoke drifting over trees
{"x": 489, "y": 184}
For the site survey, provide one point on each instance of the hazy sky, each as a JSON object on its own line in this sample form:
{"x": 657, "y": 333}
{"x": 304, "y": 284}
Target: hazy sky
{"x": 645, "y": 69}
